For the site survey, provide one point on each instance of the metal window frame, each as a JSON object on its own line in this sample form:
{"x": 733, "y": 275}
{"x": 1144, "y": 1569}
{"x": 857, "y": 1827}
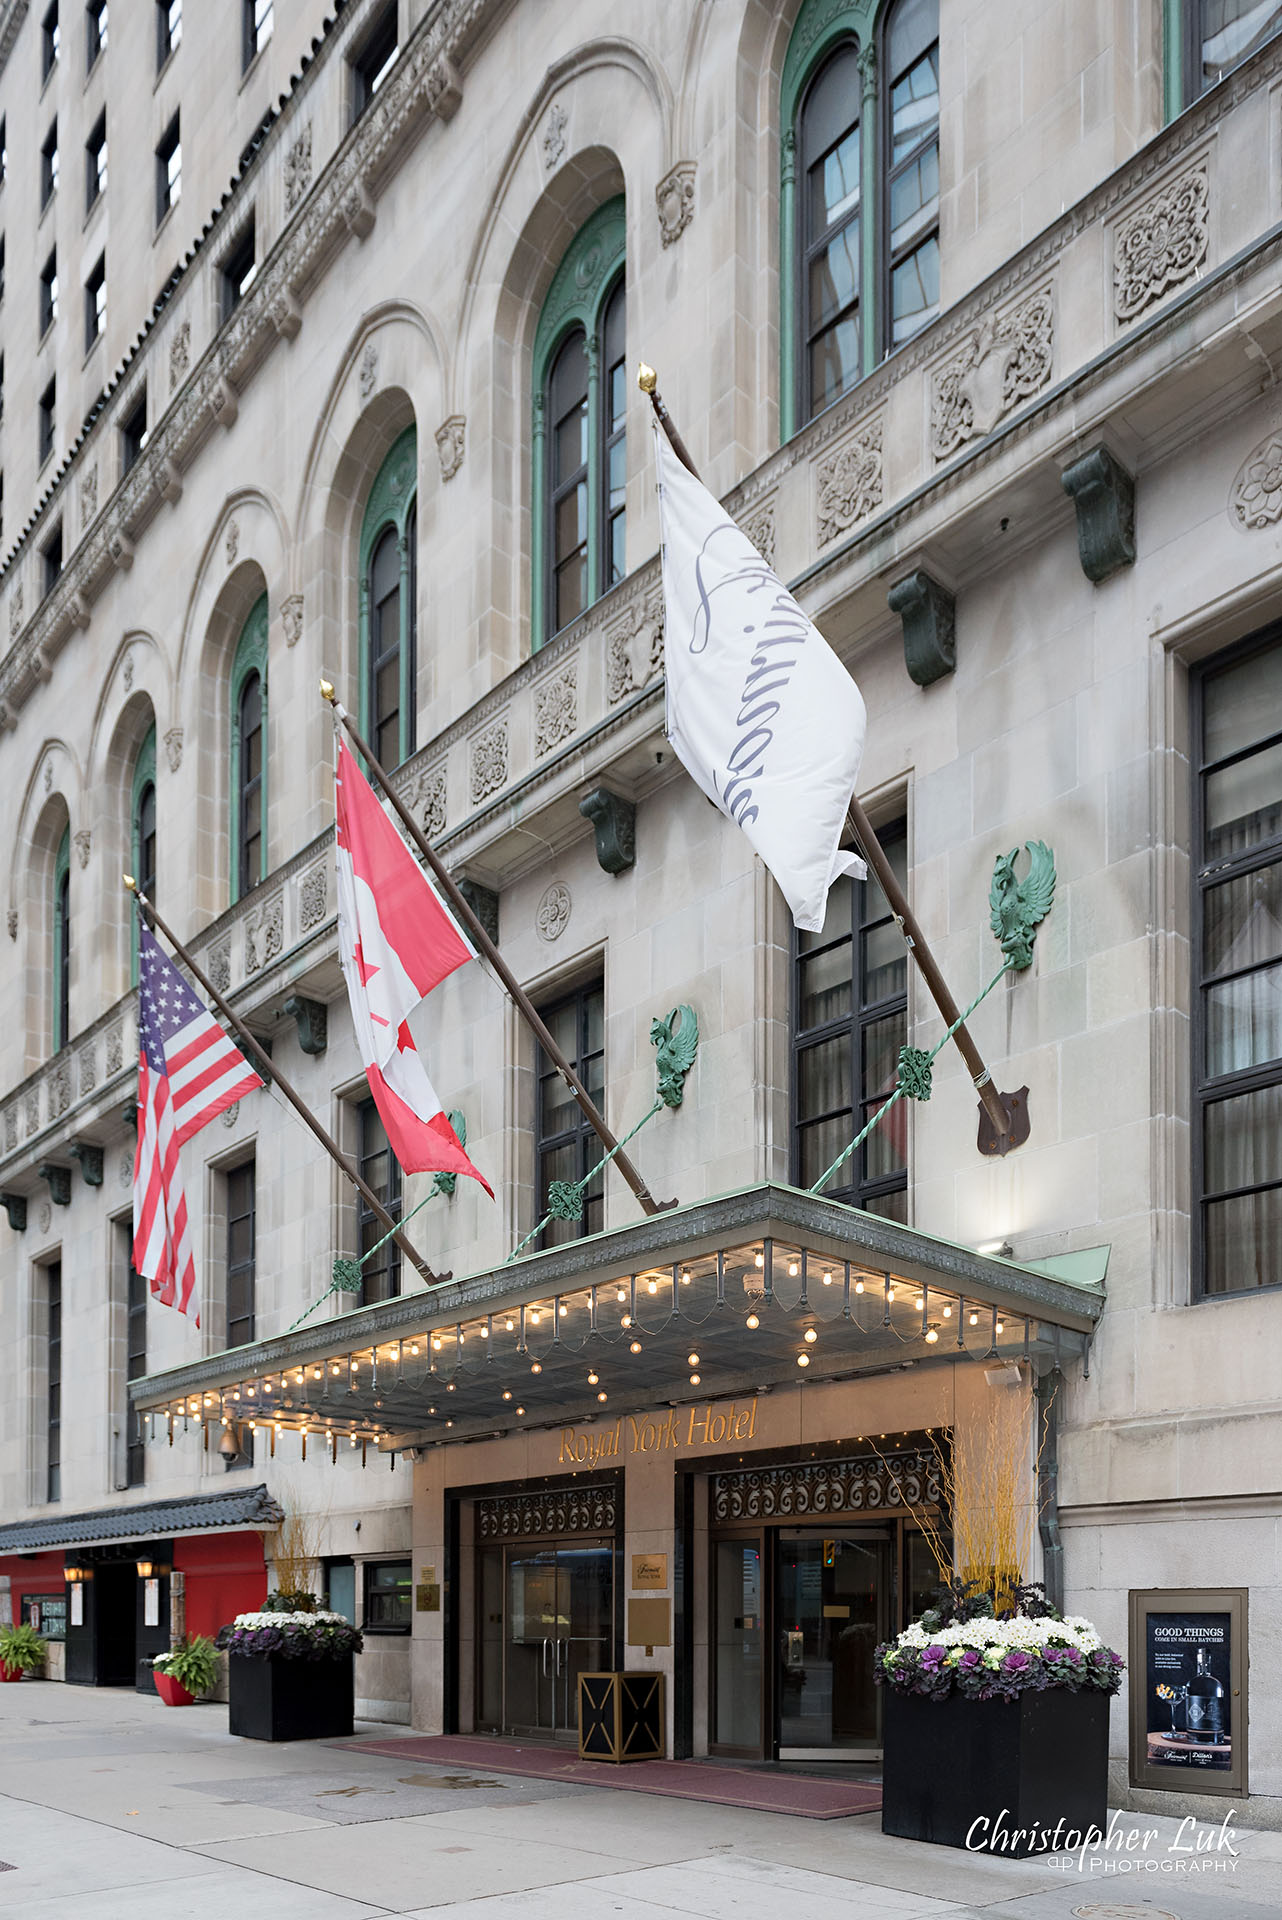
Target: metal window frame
{"x": 250, "y": 1266}
{"x": 580, "y": 1136}
{"x": 887, "y": 260}
{"x": 393, "y": 1198}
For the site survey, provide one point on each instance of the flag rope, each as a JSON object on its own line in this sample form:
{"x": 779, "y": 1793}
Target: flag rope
{"x": 913, "y": 1076}
{"x": 565, "y": 1197}
{"x": 347, "y": 1272}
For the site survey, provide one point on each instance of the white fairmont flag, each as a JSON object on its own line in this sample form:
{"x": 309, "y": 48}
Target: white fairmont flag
{"x": 761, "y": 712}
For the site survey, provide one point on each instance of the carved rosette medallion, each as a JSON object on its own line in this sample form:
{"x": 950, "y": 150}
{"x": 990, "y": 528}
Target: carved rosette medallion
{"x": 1255, "y": 498}
{"x": 553, "y": 914}
{"x": 1005, "y": 359}
{"x": 488, "y": 762}
{"x": 429, "y": 802}
{"x": 849, "y": 483}
{"x": 313, "y": 897}
{"x": 556, "y": 710}
{"x": 1161, "y": 244}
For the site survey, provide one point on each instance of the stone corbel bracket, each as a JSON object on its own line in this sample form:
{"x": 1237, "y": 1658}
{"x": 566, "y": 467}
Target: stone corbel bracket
{"x": 614, "y": 823}
{"x": 15, "y": 1206}
{"x": 1103, "y": 493}
{"x": 90, "y": 1159}
{"x": 928, "y": 613}
{"x": 311, "y": 1017}
{"x": 484, "y": 903}
{"x": 59, "y": 1180}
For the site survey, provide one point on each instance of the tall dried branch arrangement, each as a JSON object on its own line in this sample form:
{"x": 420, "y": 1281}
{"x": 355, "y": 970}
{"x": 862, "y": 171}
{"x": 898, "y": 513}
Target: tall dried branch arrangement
{"x": 296, "y": 1552}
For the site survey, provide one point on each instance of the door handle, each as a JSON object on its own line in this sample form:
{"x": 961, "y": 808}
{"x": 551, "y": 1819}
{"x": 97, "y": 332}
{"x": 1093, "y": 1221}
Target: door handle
{"x": 545, "y": 1659}
{"x": 560, "y": 1649}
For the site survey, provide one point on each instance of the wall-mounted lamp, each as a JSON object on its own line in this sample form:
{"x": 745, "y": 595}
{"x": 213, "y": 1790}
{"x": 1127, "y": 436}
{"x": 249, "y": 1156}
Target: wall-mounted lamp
{"x": 73, "y": 1575}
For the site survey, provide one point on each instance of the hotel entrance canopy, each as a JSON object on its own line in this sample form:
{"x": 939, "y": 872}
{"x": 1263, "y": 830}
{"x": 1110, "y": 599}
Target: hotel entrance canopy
{"x": 750, "y": 1291}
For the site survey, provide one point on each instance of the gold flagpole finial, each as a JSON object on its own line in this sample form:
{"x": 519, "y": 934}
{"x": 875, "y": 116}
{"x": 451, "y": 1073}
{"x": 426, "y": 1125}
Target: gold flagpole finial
{"x": 130, "y": 882}
{"x": 647, "y": 378}
{"x": 327, "y": 691}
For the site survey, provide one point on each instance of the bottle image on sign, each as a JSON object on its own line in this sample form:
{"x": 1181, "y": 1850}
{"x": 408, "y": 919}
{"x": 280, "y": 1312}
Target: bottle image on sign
{"x": 1205, "y": 1702}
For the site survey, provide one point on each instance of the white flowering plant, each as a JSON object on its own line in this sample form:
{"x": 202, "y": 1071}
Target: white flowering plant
{"x": 294, "y": 1635}
{"x": 963, "y": 1646}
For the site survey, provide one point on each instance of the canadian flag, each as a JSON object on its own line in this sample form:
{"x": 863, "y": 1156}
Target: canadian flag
{"x": 396, "y": 942}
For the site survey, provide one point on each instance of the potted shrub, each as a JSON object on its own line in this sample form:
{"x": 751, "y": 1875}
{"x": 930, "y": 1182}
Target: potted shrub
{"x": 996, "y": 1728}
{"x": 21, "y": 1651}
{"x": 290, "y": 1671}
{"x": 187, "y": 1670}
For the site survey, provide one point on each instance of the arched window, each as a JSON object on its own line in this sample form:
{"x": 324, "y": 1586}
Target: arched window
{"x": 859, "y": 195}
{"x": 389, "y": 610}
{"x": 580, "y": 437}
{"x": 249, "y": 754}
{"x": 62, "y": 942}
{"x": 142, "y": 831}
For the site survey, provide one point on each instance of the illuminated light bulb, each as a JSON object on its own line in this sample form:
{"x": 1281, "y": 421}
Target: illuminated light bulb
{"x": 793, "y": 1269}
{"x": 859, "y": 1286}
{"x": 335, "y": 1368}
{"x": 919, "y": 1303}
{"x": 694, "y": 1379}
{"x": 634, "y": 1347}
{"x": 414, "y": 1346}
{"x": 536, "y": 1366}
{"x": 602, "y": 1396}
{"x": 507, "y": 1393}
{"x": 449, "y": 1423}
{"x": 827, "y": 1279}
{"x": 622, "y": 1292}
{"x": 652, "y": 1286}
{"x": 810, "y": 1336}
{"x": 436, "y": 1345}
{"x": 299, "y": 1376}
{"x": 593, "y": 1378}
{"x": 948, "y": 1313}
{"x": 685, "y": 1278}
{"x": 761, "y": 1259}
{"x": 974, "y": 1319}
{"x": 510, "y": 1323}
{"x": 534, "y": 1316}
{"x": 752, "y": 1322}
{"x": 267, "y": 1386}
{"x": 520, "y": 1409}
{"x": 625, "y": 1320}
{"x": 564, "y": 1311}
{"x": 692, "y": 1359}
{"x": 1001, "y": 1326}
{"x": 352, "y": 1439}
{"x": 485, "y": 1333}
{"x": 317, "y": 1372}
{"x": 890, "y": 1293}
{"x": 932, "y": 1334}
{"x": 431, "y": 1409}
{"x": 449, "y": 1386}
{"x": 803, "y": 1359}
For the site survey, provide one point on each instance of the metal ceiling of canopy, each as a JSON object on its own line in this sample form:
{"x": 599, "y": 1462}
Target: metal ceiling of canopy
{"x": 752, "y": 1291}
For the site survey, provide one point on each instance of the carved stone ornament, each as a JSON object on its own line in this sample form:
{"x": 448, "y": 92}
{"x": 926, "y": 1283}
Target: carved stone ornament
{"x": 311, "y": 1019}
{"x": 484, "y": 903}
{"x": 1001, "y": 361}
{"x": 174, "y": 748}
{"x": 127, "y": 671}
{"x": 554, "y": 134}
{"x": 443, "y": 88}
{"x": 15, "y": 612}
{"x": 115, "y": 1049}
{"x": 489, "y": 762}
{"x": 88, "y": 496}
{"x": 760, "y": 529}
{"x": 179, "y": 354}
{"x": 450, "y": 444}
{"x": 298, "y": 168}
{"x": 634, "y": 646}
{"x": 84, "y": 843}
{"x": 553, "y": 914}
{"x": 10, "y": 1129}
{"x": 674, "y": 197}
{"x": 231, "y": 544}
{"x": 125, "y": 1171}
{"x": 368, "y": 375}
{"x": 59, "y": 1088}
{"x": 13, "y": 923}
{"x": 49, "y": 773}
{"x": 1103, "y": 493}
{"x": 556, "y": 710}
{"x": 850, "y": 483}
{"x": 88, "y": 1071}
{"x": 429, "y": 802}
{"x": 46, "y": 1216}
{"x": 220, "y": 966}
{"x": 231, "y": 1114}
{"x": 1255, "y": 498}
{"x": 929, "y": 616}
{"x": 313, "y": 897}
{"x": 1161, "y": 244}
{"x": 33, "y": 1110}
{"x": 15, "y": 1206}
{"x": 614, "y": 822}
{"x": 291, "y": 613}
{"x": 265, "y": 934}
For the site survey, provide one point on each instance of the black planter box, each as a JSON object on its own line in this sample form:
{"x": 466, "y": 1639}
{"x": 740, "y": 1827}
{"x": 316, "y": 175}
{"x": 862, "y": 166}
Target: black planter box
{"x": 996, "y": 1776}
{"x": 277, "y": 1699}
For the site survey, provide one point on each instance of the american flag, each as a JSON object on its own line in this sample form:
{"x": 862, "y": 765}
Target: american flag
{"x": 188, "y": 1072}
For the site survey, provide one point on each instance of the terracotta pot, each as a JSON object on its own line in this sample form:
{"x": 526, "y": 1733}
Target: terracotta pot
{"x": 172, "y": 1691}
{"x": 10, "y": 1673}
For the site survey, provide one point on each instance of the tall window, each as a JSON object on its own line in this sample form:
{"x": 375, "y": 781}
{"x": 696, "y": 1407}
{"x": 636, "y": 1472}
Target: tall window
{"x": 169, "y": 29}
{"x": 62, "y": 942}
{"x": 373, "y": 60}
{"x": 238, "y": 271}
{"x": 256, "y": 17}
{"x": 142, "y": 831}
{"x": 1218, "y": 34}
{"x": 249, "y": 754}
{"x": 46, "y": 420}
{"x": 850, "y": 1018}
{"x": 53, "y": 1371}
{"x": 49, "y": 166}
{"x": 389, "y": 594}
{"x": 579, "y": 442}
{"x": 50, "y": 39}
{"x": 241, "y": 1227}
{"x": 96, "y": 302}
{"x": 95, "y": 31}
{"x": 96, "y": 161}
{"x": 1238, "y": 934}
{"x": 48, "y": 293}
{"x": 859, "y": 196}
{"x": 381, "y": 1276}
{"x": 133, "y": 431}
{"x": 135, "y": 1368}
{"x": 565, "y": 1145}
{"x": 169, "y": 169}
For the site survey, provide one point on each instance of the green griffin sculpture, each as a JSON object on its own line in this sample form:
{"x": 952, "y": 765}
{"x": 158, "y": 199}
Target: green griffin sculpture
{"x": 676, "y": 1041}
{"x": 1019, "y": 906}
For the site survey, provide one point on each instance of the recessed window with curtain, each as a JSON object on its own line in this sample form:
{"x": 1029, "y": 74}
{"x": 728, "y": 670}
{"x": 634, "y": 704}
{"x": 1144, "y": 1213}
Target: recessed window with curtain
{"x": 1237, "y": 837}
{"x": 565, "y": 1145}
{"x": 380, "y": 1169}
{"x": 389, "y": 596}
{"x": 62, "y": 942}
{"x": 249, "y": 754}
{"x": 142, "y": 833}
{"x": 242, "y": 1234}
{"x": 859, "y": 196}
{"x": 580, "y": 443}
{"x": 849, "y": 1020}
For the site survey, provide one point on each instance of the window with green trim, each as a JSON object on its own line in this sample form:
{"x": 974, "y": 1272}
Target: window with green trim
{"x": 1205, "y": 39}
{"x": 389, "y": 596}
{"x": 62, "y": 942}
{"x": 579, "y": 449}
{"x": 142, "y": 832}
{"x": 859, "y": 195}
{"x": 249, "y": 754}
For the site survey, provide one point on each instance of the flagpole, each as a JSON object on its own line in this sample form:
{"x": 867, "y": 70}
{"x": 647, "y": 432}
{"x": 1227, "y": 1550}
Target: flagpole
{"x": 990, "y": 1100}
{"x": 264, "y": 1059}
{"x": 524, "y": 1005}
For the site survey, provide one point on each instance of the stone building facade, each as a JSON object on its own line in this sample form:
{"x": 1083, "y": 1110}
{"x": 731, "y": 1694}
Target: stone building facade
{"x": 970, "y": 314}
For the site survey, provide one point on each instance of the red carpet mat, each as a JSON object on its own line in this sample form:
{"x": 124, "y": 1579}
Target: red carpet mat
{"x": 757, "y": 1788}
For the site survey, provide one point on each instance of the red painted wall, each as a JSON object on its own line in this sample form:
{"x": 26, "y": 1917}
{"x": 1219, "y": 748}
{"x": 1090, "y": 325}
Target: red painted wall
{"x": 226, "y": 1575}
{"x": 43, "y": 1573}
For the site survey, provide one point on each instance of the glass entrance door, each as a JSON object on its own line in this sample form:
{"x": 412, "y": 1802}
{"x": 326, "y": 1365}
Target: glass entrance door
{"x": 557, "y": 1622}
{"x": 832, "y": 1606}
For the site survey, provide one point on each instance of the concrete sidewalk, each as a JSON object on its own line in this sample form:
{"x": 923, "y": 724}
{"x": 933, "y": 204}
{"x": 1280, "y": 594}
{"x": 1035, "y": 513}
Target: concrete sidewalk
{"x": 115, "y": 1807}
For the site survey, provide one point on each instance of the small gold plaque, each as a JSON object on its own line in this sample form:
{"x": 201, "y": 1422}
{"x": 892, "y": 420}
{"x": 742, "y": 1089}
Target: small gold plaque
{"x": 836, "y": 1613}
{"x": 649, "y": 1623}
{"x": 427, "y": 1597}
{"x": 649, "y": 1569}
